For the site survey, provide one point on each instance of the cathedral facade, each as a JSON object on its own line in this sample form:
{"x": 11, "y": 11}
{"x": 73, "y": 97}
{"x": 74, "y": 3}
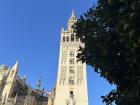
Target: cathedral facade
{"x": 15, "y": 91}
{"x": 71, "y": 85}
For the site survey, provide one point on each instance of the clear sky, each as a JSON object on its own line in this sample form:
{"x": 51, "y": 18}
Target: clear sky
{"x": 30, "y": 32}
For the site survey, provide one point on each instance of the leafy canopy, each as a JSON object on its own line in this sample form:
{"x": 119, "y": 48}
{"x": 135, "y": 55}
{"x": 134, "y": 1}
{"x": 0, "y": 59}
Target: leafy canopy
{"x": 110, "y": 32}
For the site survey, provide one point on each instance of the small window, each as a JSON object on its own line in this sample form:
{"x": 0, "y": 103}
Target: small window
{"x": 71, "y": 70}
{"x": 72, "y": 37}
{"x": 71, "y": 92}
{"x": 11, "y": 75}
{"x": 71, "y": 80}
{"x": 71, "y": 54}
{"x": 67, "y": 38}
{"x": 64, "y": 39}
{"x": 71, "y": 61}
{"x": 71, "y": 95}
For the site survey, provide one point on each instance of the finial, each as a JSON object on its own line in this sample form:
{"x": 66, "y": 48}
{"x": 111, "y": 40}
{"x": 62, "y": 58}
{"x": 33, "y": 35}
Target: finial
{"x": 24, "y": 78}
{"x": 39, "y": 84}
{"x": 73, "y": 13}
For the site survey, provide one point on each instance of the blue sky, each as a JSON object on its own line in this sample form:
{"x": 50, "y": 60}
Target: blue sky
{"x": 30, "y": 32}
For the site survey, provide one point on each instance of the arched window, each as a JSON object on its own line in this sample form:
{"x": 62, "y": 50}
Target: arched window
{"x": 71, "y": 95}
{"x": 71, "y": 61}
{"x": 71, "y": 54}
{"x": 71, "y": 70}
{"x": 67, "y": 38}
{"x": 64, "y": 39}
{"x": 72, "y": 37}
{"x": 71, "y": 80}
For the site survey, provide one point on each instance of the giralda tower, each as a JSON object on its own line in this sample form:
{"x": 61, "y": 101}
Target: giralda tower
{"x": 71, "y": 86}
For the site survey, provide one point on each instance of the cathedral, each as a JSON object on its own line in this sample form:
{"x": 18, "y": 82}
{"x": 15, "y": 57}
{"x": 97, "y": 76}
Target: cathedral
{"x": 71, "y": 85}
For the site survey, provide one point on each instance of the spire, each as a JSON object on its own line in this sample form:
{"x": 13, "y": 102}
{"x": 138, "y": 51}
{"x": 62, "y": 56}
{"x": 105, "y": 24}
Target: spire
{"x": 73, "y": 16}
{"x": 73, "y": 13}
{"x": 72, "y": 20}
{"x": 15, "y": 66}
{"x": 14, "y": 70}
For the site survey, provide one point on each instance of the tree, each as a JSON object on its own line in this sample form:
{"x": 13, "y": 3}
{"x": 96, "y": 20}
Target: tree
{"x": 110, "y": 33}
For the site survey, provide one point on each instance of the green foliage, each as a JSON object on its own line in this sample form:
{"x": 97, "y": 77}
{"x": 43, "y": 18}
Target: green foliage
{"x": 110, "y": 32}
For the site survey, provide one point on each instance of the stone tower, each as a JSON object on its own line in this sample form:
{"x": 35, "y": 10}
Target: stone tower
{"x": 71, "y": 86}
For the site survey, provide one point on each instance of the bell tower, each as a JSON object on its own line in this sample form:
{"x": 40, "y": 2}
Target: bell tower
{"x": 71, "y": 86}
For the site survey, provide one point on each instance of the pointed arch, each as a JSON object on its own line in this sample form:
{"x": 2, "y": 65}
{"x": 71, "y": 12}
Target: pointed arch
{"x": 63, "y": 38}
{"x": 72, "y": 37}
{"x": 67, "y": 38}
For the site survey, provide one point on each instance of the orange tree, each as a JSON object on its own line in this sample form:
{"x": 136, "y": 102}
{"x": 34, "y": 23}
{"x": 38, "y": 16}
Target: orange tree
{"x": 110, "y": 32}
